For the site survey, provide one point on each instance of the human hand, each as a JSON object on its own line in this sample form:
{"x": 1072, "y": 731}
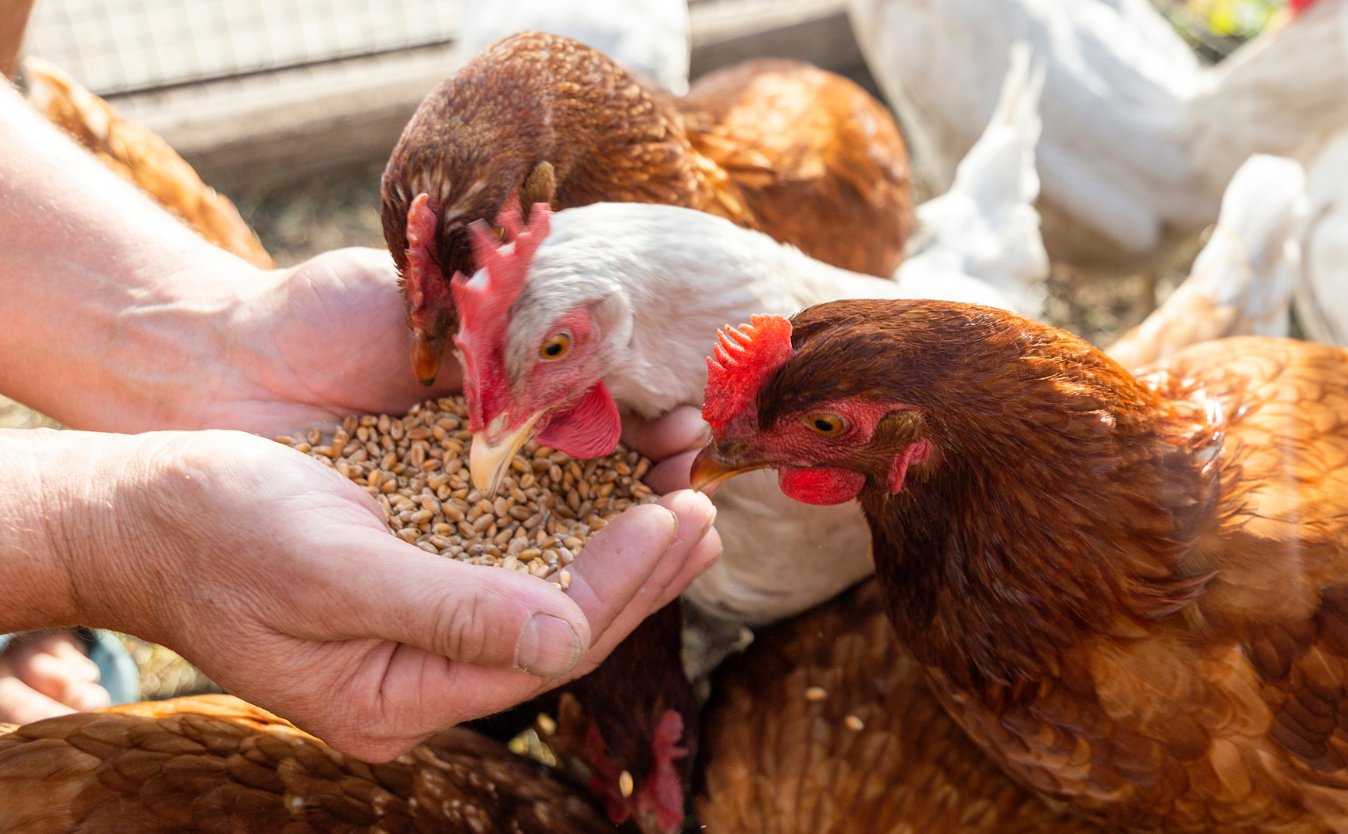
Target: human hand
{"x": 316, "y": 342}
{"x": 278, "y": 577}
{"x": 46, "y": 674}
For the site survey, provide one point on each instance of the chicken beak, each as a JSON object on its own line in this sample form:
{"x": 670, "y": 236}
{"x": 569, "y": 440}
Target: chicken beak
{"x": 426, "y": 355}
{"x": 710, "y": 468}
{"x": 489, "y": 462}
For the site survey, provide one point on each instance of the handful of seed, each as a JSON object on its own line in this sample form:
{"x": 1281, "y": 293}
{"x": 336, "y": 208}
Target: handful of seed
{"x": 416, "y": 467}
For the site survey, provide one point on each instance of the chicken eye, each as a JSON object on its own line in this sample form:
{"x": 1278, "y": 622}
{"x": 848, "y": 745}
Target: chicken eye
{"x": 555, "y": 348}
{"x": 826, "y": 424}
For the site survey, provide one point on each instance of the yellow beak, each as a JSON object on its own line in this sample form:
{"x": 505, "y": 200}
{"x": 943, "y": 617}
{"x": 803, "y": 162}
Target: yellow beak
{"x": 489, "y": 462}
{"x": 710, "y": 469}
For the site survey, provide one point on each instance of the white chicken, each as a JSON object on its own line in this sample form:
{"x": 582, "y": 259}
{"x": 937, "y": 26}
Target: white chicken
{"x": 649, "y": 36}
{"x": 1242, "y": 282}
{"x": 1139, "y": 139}
{"x": 985, "y": 230}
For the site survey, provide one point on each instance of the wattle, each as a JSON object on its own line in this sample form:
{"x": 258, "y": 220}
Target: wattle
{"x": 590, "y": 428}
{"x": 820, "y": 484}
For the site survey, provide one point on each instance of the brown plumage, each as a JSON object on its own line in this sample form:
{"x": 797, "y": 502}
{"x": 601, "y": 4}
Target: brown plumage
{"x": 635, "y": 714}
{"x": 827, "y": 726}
{"x": 801, "y": 154}
{"x": 138, "y": 155}
{"x": 1133, "y": 592}
{"x": 216, "y": 764}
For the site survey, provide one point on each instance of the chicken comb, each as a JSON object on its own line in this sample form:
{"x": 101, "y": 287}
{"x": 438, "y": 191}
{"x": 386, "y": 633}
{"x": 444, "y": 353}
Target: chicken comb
{"x": 420, "y": 242}
{"x": 743, "y": 359}
{"x": 483, "y": 303}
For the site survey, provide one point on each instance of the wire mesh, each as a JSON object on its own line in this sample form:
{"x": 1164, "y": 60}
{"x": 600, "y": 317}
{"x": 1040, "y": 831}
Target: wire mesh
{"x": 121, "y": 46}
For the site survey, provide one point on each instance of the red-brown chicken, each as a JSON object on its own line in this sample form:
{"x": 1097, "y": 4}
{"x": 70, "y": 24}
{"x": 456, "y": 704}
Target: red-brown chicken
{"x": 804, "y": 155}
{"x": 827, "y": 726}
{"x": 1132, "y": 592}
{"x": 216, "y": 764}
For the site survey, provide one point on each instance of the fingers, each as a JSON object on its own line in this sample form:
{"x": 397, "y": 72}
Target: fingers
{"x": 48, "y": 675}
{"x": 21, "y": 704}
{"x": 680, "y": 430}
{"x": 617, "y": 586}
{"x": 481, "y": 615}
{"x": 672, "y": 474}
{"x": 62, "y": 681}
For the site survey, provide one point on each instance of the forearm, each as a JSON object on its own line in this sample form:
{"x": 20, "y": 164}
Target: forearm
{"x": 110, "y": 307}
{"x": 54, "y": 503}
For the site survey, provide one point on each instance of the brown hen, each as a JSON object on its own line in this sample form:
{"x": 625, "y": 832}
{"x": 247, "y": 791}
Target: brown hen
{"x": 827, "y": 726}
{"x": 141, "y": 157}
{"x": 803, "y": 155}
{"x": 214, "y": 763}
{"x": 1132, "y": 592}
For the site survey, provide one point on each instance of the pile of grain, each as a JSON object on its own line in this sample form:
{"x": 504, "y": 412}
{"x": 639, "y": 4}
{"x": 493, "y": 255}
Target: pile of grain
{"x": 416, "y": 467}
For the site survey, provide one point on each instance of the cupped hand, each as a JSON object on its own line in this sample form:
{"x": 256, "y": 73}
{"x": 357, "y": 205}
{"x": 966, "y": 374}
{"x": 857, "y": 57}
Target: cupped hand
{"x": 308, "y": 345}
{"x": 46, "y": 674}
{"x": 278, "y": 577}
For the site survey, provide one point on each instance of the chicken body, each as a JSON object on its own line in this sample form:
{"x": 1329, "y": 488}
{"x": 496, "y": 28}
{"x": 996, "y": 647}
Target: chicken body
{"x": 214, "y": 763}
{"x": 1130, "y": 592}
{"x": 827, "y": 726}
{"x": 1140, "y": 139}
{"x": 801, "y": 154}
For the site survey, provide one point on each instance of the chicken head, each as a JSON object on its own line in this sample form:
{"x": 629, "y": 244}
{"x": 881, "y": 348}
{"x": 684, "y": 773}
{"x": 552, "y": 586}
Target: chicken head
{"x": 523, "y": 377}
{"x": 824, "y": 451}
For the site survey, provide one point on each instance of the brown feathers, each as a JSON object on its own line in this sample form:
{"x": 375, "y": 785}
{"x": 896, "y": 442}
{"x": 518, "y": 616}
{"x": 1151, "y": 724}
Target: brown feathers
{"x": 216, "y": 764}
{"x": 827, "y": 726}
{"x": 1131, "y": 592}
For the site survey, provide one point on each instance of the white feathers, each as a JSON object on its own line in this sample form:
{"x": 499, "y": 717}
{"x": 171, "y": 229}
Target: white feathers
{"x": 1243, "y": 279}
{"x": 650, "y": 36}
{"x": 985, "y": 228}
{"x": 1322, "y": 297}
{"x": 1139, "y": 140}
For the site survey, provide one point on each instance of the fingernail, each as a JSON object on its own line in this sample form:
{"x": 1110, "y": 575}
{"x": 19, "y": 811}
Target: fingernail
{"x": 548, "y": 647}
{"x": 90, "y": 670}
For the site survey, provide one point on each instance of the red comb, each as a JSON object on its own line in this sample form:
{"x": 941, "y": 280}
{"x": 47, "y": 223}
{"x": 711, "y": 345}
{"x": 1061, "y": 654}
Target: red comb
{"x": 483, "y": 303}
{"x": 424, "y": 295}
{"x": 743, "y": 359}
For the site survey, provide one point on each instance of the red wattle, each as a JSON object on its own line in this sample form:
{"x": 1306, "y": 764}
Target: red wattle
{"x": 588, "y": 429}
{"x": 820, "y": 484}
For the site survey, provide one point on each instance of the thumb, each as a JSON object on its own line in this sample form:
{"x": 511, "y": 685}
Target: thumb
{"x": 486, "y": 616}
